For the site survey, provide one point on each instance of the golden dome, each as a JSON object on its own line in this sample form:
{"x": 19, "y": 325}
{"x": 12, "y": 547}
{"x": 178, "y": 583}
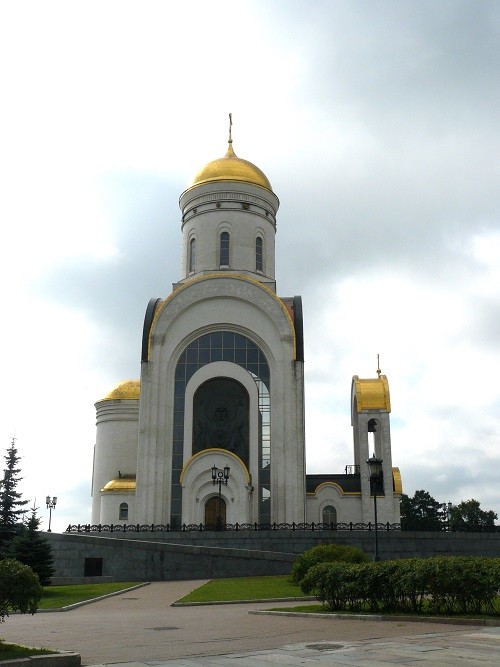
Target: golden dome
{"x": 372, "y": 394}
{"x": 128, "y": 390}
{"x": 121, "y": 485}
{"x": 231, "y": 168}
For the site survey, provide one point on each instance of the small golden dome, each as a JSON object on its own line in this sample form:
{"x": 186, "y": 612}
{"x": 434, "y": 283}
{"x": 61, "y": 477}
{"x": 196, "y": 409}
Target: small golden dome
{"x": 128, "y": 390}
{"x": 231, "y": 168}
{"x": 396, "y": 480}
{"x": 372, "y": 393}
{"x": 121, "y": 485}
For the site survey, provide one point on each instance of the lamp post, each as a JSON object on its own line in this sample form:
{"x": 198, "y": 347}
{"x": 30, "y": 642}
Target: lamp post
{"x": 375, "y": 468}
{"x": 447, "y": 507}
{"x": 219, "y": 477}
{"x": 51, "y": 505}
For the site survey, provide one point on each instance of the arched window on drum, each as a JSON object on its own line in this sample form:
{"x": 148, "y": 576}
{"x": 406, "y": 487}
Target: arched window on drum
{"x": 259, "y": 260}
{"x": 224, "y": 250}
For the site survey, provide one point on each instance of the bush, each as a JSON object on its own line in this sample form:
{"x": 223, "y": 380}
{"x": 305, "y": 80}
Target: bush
{"x": 20, "y": 589}
{"x": 453, "y": 584}
{"x": 325, "y": 553}
{"x": 463, "y": 585}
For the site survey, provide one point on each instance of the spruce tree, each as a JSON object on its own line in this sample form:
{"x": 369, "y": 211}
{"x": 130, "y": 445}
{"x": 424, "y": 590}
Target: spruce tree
{"x": 11, "y": 502}
{"x": 33, "y": 549}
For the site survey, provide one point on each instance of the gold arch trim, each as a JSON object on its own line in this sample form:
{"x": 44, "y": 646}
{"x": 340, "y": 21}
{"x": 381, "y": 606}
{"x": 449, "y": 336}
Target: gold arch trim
{"x": 218, "y": 276}
{"x": 215, "y": 450}
{"x": 336, "y": 486}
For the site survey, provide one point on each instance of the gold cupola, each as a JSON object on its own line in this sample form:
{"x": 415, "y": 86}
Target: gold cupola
{"x": 127, "y": 390}
{"x": 231, "y": 168}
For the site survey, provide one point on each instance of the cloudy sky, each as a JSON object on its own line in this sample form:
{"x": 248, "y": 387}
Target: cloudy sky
{"x": 377, "y": 125}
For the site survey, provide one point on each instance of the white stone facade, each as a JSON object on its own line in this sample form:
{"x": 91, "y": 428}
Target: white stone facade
{"x": 222, "y": 384}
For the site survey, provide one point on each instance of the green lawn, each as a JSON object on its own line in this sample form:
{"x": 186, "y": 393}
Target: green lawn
{"x": 324, "y": 609}
{"x": 13, "y": 651}
{"x": 55, "y": 597}
{"x": 244, "y": 588}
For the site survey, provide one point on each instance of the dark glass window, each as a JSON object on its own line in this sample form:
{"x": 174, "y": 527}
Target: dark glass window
{"x": 123, "y": 513}
{"x": 224, "y": 249}
{"x": 192, "y": 254}
{"x": 329, "y": 514}
{"x": 258, "y": 254}
{"x": 218, "y": 346}
{"x": 221, "y": 417}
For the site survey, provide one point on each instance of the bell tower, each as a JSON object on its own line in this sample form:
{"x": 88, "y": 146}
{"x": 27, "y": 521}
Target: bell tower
{"x": 370, "y": 410}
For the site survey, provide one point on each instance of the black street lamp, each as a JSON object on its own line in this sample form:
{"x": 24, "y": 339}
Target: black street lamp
{"x": 219, "y": 477}
{"x": 51, "y": 505}
{"x": 447, "y": 507}
{"x": 375, "y": 468}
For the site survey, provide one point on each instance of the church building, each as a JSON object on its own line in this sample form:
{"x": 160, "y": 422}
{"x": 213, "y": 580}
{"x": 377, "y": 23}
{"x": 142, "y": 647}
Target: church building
{"x": 214, "y": 431}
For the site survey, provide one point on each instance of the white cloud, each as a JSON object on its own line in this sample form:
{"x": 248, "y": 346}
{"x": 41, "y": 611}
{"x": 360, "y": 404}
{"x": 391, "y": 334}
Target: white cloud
{"x": 375, "y": 124}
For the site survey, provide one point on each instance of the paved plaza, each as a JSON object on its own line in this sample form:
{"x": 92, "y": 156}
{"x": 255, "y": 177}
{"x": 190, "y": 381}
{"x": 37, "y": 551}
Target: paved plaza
{"x": 140, "y": 627}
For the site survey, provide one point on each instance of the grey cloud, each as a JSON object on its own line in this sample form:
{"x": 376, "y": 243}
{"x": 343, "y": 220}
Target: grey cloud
{"x": 115, "y": 292}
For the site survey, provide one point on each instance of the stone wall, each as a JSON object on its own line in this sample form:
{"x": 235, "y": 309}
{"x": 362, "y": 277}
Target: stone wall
{"x": 169, "y": 556}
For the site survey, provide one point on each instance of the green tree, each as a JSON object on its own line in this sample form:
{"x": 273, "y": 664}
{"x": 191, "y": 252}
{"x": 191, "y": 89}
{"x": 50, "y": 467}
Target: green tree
{"x": 11, "y": 502}
{"x": 468, "y": 515}
{"x": 20, "y": 589}
{"x": 32, "y": 548}
{"x": 422, "y": 512}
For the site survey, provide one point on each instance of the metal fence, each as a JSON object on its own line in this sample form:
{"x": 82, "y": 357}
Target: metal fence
{"x": 228, "y": 527}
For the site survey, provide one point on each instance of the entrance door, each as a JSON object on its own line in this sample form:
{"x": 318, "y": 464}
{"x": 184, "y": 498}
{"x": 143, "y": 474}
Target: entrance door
{"x": 215, "y": 513}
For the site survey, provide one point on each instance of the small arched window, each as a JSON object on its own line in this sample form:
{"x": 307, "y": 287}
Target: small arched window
{"x": 192, "y": 255}
{"x": 224, "y": 249}
{"x": 258, "y": 254}
{"x": 329, "y": 514}
{"x": 123, "y": 513}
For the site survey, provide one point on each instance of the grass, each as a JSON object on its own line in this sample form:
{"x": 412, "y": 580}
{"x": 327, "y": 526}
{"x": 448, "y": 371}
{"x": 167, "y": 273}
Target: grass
{"x": 244, "y": 588}
{"x": 14, "y": 652}
{"x": 55, "y": 597}
{"x": 425, "y": 611}
{"x": 279, "y": 587}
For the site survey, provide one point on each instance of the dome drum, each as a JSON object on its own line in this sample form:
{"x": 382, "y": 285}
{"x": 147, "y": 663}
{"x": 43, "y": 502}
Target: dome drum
{"x": 229, "y": 196}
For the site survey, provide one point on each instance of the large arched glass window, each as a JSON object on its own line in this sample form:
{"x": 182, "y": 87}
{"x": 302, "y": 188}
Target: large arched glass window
{"x": 224, "y": 249}
{"x": 258, "y": 254}
{"x": 237, "y": 349}
{"x": 192, "y": 255}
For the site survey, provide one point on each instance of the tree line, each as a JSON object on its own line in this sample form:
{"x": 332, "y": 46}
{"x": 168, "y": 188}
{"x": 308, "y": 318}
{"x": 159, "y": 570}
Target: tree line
{"x": 20, "y": 536}
{"x": 423, "y": 512}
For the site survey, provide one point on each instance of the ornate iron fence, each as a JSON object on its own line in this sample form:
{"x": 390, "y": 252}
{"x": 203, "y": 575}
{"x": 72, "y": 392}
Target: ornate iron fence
{"x": 228, "y": 527}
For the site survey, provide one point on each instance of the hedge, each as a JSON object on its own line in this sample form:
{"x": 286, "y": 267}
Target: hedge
{"x": 446, "y": 584}
{"x": 323, "y": 553}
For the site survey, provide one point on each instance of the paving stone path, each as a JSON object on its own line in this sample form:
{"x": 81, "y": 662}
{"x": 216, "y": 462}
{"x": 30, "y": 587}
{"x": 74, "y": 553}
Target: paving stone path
{"x": 140, "y": 627}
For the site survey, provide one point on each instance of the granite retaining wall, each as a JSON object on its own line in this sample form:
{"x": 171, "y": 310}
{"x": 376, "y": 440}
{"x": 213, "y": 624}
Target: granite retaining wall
{"x": 168, "y": 556}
